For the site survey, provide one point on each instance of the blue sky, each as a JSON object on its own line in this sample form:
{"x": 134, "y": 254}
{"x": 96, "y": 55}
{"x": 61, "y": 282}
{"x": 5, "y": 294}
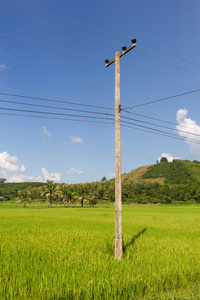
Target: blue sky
{"x": 38, "y": 149}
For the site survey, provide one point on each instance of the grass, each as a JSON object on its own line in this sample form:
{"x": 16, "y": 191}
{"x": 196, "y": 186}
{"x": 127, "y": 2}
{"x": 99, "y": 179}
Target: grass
{"x": 68, "y": 253}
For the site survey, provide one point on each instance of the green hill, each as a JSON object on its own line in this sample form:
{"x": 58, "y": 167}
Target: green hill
{"x": 176, "y": 172}
{"x": 7, "y": 189}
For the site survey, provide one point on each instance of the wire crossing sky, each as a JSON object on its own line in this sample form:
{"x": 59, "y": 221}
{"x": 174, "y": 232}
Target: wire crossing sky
{"x": 52, "y": 69}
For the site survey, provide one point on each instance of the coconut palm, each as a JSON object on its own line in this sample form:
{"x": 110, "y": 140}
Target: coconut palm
{"x": 49, "y": 191}
{"x": 83, "y": 193}
{"x": 24, "y": 196}
{"x": 16, "y": 196}
{"x": 101, "y": 194}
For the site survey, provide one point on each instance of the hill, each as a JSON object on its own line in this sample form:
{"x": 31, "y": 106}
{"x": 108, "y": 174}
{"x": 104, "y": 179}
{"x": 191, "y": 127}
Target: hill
{"x": 7, "y": 189}
{"x": 137, "y": 175}
{"x": 176, "y": 172}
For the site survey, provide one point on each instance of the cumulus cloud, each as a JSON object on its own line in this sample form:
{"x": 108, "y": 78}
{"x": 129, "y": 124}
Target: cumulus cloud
{"x": 110, "y": 175}
{"x": 56, "y": 177}
{"x": 14, "y": 171}
{"x": 76, "y": 171}
{"x": 189, "y": 129}
{"x": 10, "y": 164}
{"x": 169, "y": 157}
{"x": 76, "y": 139}
{"x": 2, "y": 67}
{"x": 45, "y": 132}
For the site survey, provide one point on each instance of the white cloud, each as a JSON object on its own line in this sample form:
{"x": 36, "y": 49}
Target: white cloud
{"x": 110, "y": 175}
{"x": 76, "y": 171}
{"x": 76, "y": 139}
{"x": 2, "y": 67}
{"x": 9, "y": 164}
{"x": 14, "y": 171}
{"x": 169, "y": 157}
{"x": 56, "y": 177}
{"x": 189, "y": 129}
{"x": 45, "y": 132}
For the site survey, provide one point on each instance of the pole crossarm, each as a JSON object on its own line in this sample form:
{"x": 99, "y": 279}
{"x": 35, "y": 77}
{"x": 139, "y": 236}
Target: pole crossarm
{"x": 122, "y": 54}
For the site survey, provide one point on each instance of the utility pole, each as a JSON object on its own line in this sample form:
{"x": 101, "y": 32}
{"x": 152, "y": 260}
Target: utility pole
{"x": 118, "y": 183}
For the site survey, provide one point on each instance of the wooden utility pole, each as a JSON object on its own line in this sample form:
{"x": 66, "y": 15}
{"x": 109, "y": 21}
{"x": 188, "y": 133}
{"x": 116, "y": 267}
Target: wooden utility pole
{"x": 118, "y": 184}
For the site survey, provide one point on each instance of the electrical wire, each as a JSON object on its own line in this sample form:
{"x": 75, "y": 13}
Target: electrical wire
{"x": 53, "y": 113}
{"x": 64, "y": 19}
{"x": 57, "y": 101}
{"x": 55, "y": 107}
{"x": 163, "y": 99}
{"x": 101, "y": 29}
{"x": 54, "y": 118}
{"x": 162, "y": 132}
{"x": 92, "y": 121}
{"x": 159, "y": 95}
{"x": 63, "y": 28}
{"x": 168, "y": 53}
{"x": 50, "y": 95}
{"x": 177, "y": 138}
{"x": 169, "y": 64}
{"x": 150, "y": 75}
{"x": 51, "y": 46}
{"x": 156, "y": 119}
{"x": 166, "y": 127}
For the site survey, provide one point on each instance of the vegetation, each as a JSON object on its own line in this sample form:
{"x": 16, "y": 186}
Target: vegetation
{"x": 176, "y": 182}
{"x": 68, "y": 253}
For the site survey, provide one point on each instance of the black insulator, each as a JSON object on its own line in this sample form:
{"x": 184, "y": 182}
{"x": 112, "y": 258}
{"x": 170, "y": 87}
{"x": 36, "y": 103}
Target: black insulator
{"x": 123, "y": 48}
{"x": 107, "y": 61}
{"x": 133, "y": 41}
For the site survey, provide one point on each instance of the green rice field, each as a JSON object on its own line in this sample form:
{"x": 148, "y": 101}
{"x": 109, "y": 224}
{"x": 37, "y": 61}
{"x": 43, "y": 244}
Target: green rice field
{"x": 68, "y": 253}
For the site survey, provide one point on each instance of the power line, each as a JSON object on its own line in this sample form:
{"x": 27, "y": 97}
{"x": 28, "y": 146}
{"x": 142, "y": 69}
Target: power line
{"x": 156, "y": 119}
{"x": 159, "y": 95}
{"x": 50, "y": 95}
{"x": 170, "y": 97}
{"x": 54, "y": 118}
{"x": 169, "y": 64}
{"x": 58, "y": 101}
{"x": 63, "y": 28}
{"x": 51, "y": 46}
{"x": 55, "y": 107}
{"x": 161, "y": 132}
{"x": 149, "y": 123}
{"x": 64, "y": 19}
{"x": 150, "y": 75}
{"x": 100, "y": 29}
{"x": 177, "y": 138}
{"x": 168, "y": 53}
{"x": 53, "y": 113}
{"x": 96, "y": 38}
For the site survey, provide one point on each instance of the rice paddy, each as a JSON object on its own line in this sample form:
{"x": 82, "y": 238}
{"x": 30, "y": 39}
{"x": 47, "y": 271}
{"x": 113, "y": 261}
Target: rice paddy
{"x": 68, "y": 253}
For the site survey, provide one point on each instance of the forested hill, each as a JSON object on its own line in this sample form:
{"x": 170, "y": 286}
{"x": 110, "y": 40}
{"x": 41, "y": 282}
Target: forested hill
{"x": 176, "y": 172}
{"x": 164, "y": 182}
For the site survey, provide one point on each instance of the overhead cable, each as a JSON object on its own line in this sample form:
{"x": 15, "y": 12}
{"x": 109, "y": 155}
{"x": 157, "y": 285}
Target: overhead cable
{"x": 57, "y": 101}
{"x": 54, "y": 118}
{"x": 51, "y": 46}
{"x": 160, "y": 126}
{"x": 59, "y": 27}
{"x": 50, "y": 95}
{"x": 163, "y": 99}
{"x": 100, "y": 29}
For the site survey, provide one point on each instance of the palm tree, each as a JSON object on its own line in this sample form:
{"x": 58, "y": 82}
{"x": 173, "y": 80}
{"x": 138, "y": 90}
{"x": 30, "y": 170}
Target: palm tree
{"x": 83, "y": 193}
{"x": 24, "y": 196}
{"x": 64, "y": 191}
{"x": 16, "y": 196}
{"x": 100, "y": 194}
{"x": 49, "y": 191}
